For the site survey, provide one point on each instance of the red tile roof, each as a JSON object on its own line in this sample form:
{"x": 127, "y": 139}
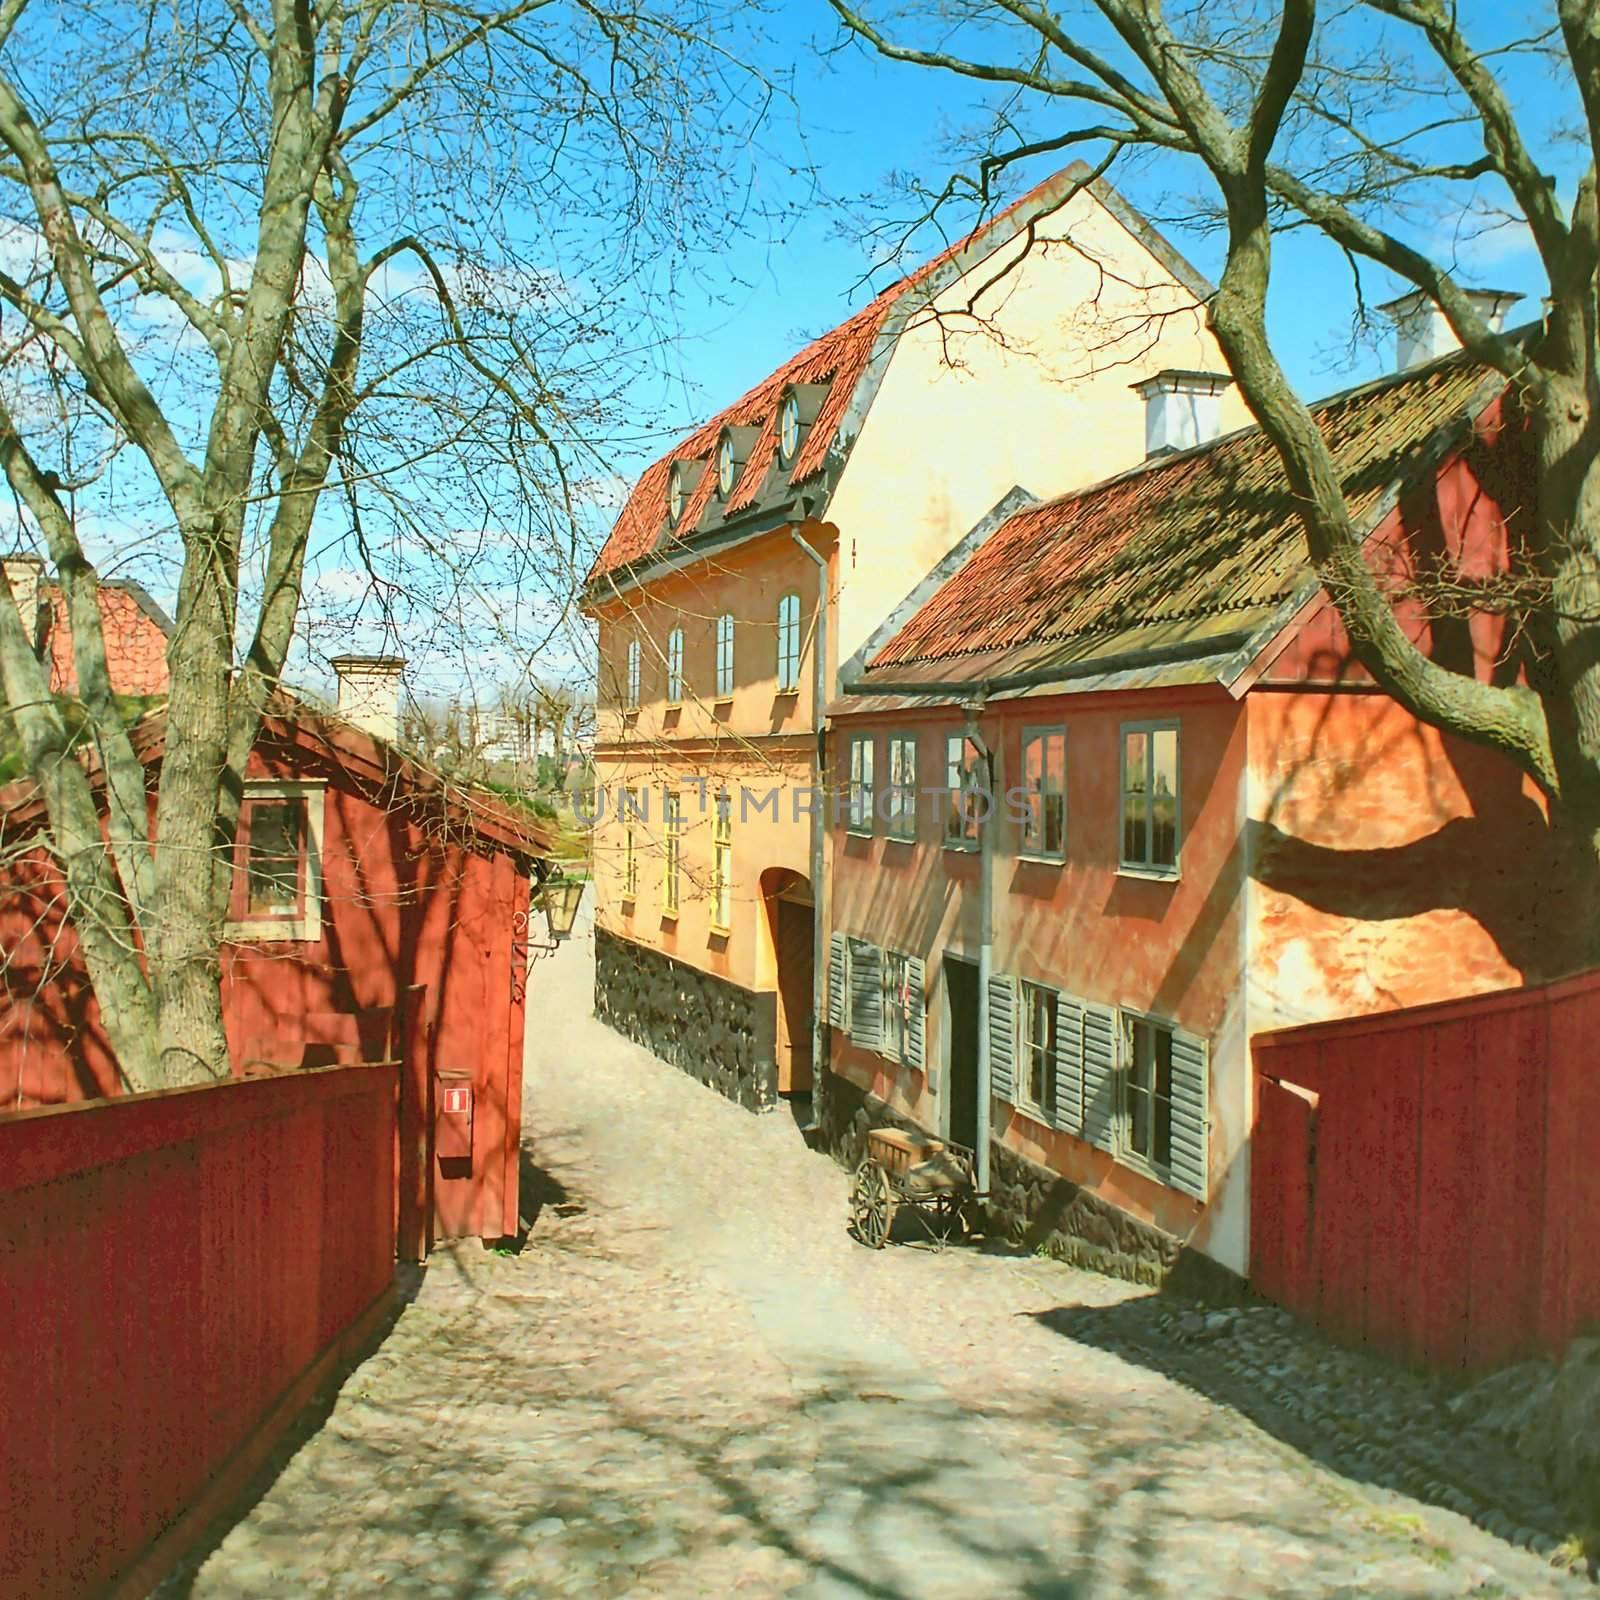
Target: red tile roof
{"x": 1172, "y": 553}
{"x": 839, "y": 356}
{"x": 136, "y": 640}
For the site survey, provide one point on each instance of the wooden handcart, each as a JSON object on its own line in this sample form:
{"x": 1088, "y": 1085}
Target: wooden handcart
{"x": 933, "y": 1179}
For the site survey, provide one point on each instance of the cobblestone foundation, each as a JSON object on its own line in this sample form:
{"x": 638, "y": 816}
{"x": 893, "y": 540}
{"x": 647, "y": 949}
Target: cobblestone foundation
{"x": 716, "y": 1031}
{"x": 1039, "y": 1211}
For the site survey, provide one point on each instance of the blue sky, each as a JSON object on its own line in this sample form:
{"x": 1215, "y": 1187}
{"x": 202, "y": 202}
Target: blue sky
{"x": 863, "y": 120}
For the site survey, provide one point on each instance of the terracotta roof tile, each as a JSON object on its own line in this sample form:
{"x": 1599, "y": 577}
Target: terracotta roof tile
{"x": 1155, "y": 557}
{"x": 135, "y": 636}
{"x": 839, "y": 358}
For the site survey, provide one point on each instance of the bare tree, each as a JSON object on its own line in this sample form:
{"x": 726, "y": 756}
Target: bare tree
{"x": 1372, "y": 124}
{"x": 278, "y": 278}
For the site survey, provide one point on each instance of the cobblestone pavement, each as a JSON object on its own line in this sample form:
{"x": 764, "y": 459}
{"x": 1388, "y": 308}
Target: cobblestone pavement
{"x": 692, "y": 1383}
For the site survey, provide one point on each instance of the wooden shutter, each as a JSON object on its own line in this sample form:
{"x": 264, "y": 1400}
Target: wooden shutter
{"x": 866, "y": 995}
{"x": 838, "y": 982}
{"x": 1003, "y": 1038}
{"x": 1100, "y": 1076}
{"x": 1069, "y": 1064}
{"x": 916, "y": 978}
{"x": 1190, "y": 1071}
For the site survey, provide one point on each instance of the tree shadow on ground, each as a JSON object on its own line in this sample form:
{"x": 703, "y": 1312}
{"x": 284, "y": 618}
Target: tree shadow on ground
{"x": 1364, "y": 1418}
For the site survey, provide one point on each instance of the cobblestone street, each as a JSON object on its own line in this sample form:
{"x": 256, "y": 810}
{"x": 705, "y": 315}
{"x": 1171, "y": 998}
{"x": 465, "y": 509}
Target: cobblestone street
{"x": 692, "y": 1383}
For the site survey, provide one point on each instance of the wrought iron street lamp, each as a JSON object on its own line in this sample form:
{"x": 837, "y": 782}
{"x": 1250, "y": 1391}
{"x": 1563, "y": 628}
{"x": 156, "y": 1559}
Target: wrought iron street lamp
{"x": 561, "y": 896}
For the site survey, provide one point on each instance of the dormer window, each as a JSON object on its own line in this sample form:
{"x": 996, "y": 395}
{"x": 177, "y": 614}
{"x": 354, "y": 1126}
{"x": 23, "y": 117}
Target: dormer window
{"x": 788, "y": 428}
{"x": 734, "y": 445}
{"x": 681, "y": 483}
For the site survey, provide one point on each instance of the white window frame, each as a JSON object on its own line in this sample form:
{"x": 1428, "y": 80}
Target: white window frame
{"x": 1037, "y": 850}
{"x": 859, "y": 817}
{"x": 675, "y": 667}
{"x": 1028, "y": 1050}
{"x": 788, "y": 662}
{"x": 960, "y": 840}
{"x": 672, "y": 851}
{"x": 307, "y": 927}
{"x": 722, "y": 864}
{"x": 630, "y": 845}
{"x": 1147, "y": 868}
{"x": 901, "y": 822}
{"x": 634, "y": 679}
{"x": 1128, "y": 1021}
{"x": 725, "y": 656}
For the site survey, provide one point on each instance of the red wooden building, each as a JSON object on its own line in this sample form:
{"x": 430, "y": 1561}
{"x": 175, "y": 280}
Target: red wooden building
{"x": 380, "y": 914}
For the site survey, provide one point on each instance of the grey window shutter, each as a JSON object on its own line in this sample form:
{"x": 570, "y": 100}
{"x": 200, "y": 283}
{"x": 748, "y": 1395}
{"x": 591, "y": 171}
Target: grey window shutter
{"x": 1069, "y": 1064}
{"x": 1190, "y": 1070}
{"x": 838, "y": 982}
{"x": 1100, "y": 1076}
{"x": 916, "y": 978}
{"x": 866, "y": 995}
{"x": 1003, "y": 1038}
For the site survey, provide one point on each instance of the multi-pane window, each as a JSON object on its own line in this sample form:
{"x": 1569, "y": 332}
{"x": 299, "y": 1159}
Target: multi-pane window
{"x": 901, "y": 800}
{"x": 629, "y": 814}
{"x": 632, "y": 699}
{"x": 722, "y": 863}
{"x": 1039, "y": 1048}
{"x": 725, "y": 655}
{"x": 274, "y": 858}
{"x": 860, "y": 810}
{"x": 1150, "y": 823}
{"x": 788, "y": 643}
{"x": 1147, "y": 1092}
{"x": 675, "y": 666}
{"x": 1044, "y": 783}
{"x": 965, "y": 801}
{"x": 672, "y": 837}
{"x": 897, "y": 995}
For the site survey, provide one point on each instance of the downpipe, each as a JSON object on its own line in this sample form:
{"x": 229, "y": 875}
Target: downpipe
{"x": 986, "y": 838}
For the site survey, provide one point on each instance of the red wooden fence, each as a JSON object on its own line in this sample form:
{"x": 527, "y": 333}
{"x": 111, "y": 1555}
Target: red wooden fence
{"x": 1419, "y": 1181}
{"x": 171, "y": 1264}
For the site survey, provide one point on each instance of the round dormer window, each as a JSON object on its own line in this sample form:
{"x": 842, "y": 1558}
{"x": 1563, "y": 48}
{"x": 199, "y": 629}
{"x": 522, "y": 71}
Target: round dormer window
{"x": 676, "y": 493}
{"x": 727, "y": 468}
{"x": 788, "y": 428}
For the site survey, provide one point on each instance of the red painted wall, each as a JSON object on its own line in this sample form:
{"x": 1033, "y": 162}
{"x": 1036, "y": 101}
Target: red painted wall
{"x": 1421, "y": 1180}
{"x": 173, "y": 1263}
{"x": 1173, "y": 948}
{"x": 407, "y": 905}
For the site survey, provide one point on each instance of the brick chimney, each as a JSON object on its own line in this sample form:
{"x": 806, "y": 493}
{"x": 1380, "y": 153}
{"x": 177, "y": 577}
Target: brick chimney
{"x": 1423, "y": 332}
{"x": 369, "y": 692}
{"x": 24, "y": 576}
{"x": 1180, "y": 409}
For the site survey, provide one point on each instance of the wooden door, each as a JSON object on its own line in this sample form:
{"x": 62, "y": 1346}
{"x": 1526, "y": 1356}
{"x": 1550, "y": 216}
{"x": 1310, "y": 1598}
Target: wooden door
{"x": 794, "y": 996}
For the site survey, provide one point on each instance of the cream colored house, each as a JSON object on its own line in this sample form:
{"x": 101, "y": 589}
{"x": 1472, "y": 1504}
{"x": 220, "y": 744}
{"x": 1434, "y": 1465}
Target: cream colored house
{"x": 804, "y": 516}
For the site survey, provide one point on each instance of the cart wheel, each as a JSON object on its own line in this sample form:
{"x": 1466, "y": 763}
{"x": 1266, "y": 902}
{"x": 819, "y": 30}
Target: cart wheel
{"x": 871, "y": 1205}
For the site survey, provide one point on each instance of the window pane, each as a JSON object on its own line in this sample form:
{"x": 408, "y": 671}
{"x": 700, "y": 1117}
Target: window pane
{"x": 273, "y": 865}
{"x": 1161, "y": 1100}
{"x": 1164, "y": 798}
{"x": 1135, "y": 806}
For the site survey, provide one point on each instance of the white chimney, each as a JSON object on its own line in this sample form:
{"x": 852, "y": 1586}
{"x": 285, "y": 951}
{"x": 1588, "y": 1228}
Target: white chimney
{"x": 369, "y": 692}
{"x": 1181, "y": 409}
{"x": 24, "y": 576}
{"x": 1423, "y": 332}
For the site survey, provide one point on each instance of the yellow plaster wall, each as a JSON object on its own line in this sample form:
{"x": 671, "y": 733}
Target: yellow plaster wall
{"x": 1030, "y": 388}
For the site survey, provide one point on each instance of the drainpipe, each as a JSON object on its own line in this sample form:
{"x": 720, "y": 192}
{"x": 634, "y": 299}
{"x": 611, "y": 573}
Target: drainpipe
{"x": 819, "y": 705}
{"x": 986, "y": 838}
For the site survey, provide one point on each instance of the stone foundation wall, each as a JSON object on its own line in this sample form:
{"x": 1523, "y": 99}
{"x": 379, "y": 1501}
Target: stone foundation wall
{"x": 716, "y": 1031}
{"x": 1035, "y": 1209}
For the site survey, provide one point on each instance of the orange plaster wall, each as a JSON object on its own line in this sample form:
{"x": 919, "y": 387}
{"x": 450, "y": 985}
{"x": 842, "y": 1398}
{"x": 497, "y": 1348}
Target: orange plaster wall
{"x": 1173, "y": 949}
{"x": 1392, "y": 865}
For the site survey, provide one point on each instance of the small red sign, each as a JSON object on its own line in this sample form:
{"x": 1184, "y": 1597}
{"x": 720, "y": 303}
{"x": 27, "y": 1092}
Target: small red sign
{"x": 457, "y": 1102}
